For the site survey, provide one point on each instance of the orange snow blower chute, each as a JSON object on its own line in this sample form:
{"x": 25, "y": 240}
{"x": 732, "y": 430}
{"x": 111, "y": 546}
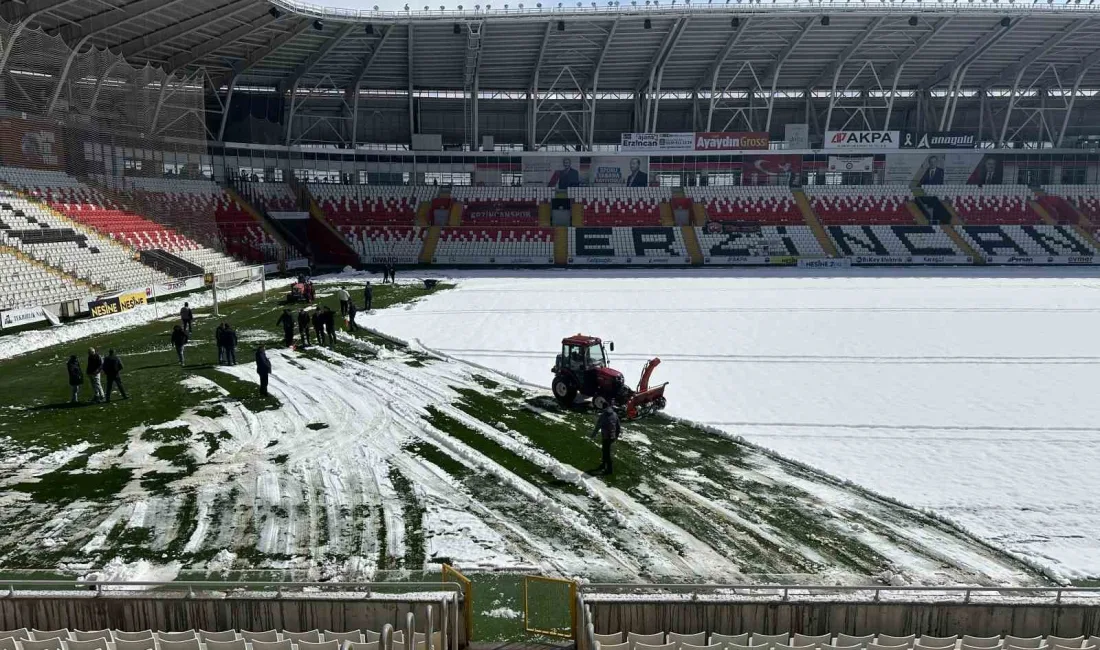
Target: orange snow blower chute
{"x": 583, "y": 367}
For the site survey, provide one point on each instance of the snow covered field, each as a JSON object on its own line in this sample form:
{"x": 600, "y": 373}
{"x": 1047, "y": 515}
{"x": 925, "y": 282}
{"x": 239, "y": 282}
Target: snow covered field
{"x": 973, "y": 396}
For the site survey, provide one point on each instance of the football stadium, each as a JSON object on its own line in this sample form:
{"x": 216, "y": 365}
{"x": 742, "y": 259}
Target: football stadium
{"x": 647, "y": 325}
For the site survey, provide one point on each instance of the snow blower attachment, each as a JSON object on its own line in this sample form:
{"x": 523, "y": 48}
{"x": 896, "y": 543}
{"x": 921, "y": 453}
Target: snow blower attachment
{"x": 582, "y": 367}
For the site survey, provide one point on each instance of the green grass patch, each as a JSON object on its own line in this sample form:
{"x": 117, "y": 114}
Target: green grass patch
{"x": 62, "y": 487}
{"x": 316, "y": 426}
{"x": 414, "y": 520}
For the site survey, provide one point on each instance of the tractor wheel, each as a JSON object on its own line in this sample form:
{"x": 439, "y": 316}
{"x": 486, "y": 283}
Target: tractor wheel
{"x": 565, "y": 391}
{"x": 599, "y": 402}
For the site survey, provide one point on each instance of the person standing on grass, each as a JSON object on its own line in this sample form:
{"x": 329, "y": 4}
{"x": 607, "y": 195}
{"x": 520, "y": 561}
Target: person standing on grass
{"x": 393, "y": 274}
{"x": 311, "y": 293}
{"x": 608, "y": 427}
{"x": 352, "y": 311}
{"x": 219, "y": 338}
{"x": 179, "y": 339}
{"x": 229, "y": 337}
{"x": 112, "y": 368}
{"x": 95, "y": 367}
{"x": 186, "y": 316}
{"x": 263, "y": 368}
{"x": 330, "y": 326}
{"x": 287, "y": 322}
{"x": 76, "y": 378}
{"x": 318, "y": 320}
{"x": 303, "y": 327}
{"x": 342, "y": 295}
{"x": 368, "y": 296}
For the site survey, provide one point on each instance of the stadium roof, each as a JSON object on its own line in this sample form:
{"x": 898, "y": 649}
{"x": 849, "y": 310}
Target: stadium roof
{"x": 785, "y": 45}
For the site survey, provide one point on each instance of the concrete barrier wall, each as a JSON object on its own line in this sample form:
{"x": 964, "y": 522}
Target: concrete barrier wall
{"x": 178, "y": 611}
{"x": 899, "y": 619}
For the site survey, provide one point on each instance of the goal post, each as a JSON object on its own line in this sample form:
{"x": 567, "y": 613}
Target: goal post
{"x": 236, "y": 278}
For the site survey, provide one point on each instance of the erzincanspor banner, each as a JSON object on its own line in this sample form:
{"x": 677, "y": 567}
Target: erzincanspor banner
{"x": 501, "y": 210}
{"x": 851, "y": 163}
{"x": 731, "y": 140}
{"x": 20, "y": 317}
{"x": 938, "y": 140}
{"x": 657, "y": 141}
{"x": 25, "y": 143}
{"x": 862, "y": 139}
{"x": 920, "y": 168}
{"x": 624, "y": 171}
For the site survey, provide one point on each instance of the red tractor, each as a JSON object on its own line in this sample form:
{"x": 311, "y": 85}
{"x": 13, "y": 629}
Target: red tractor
{"x": 582, "y": 367}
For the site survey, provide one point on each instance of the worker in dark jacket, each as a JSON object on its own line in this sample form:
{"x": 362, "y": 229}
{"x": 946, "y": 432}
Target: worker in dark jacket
{"x": 607, "y": 425}
{"x": 263, "y": 368}
{"x": 186, "y": 317}
{"x": 112, "y": 368}
{"x": 287, "y": 321}
{"x": 95, "y": 367}
{"x": 179, "y": 339}
{"x": 303, "y": 327}
{"x": 219, "y": 339}
{"x": 352, "y": 311}
{"x": 229, "y": 338}
{"x": 368, "y": 296}
{"x": 330, "y": 325}
{"x": 76, "y": 378}
{"x": 318, "y": 321}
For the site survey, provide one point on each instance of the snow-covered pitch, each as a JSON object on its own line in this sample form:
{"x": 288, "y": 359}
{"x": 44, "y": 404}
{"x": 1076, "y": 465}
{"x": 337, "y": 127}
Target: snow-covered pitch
{"x": 969, "y": 393}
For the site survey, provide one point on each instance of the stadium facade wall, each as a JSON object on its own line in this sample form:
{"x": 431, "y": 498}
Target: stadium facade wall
{"x": 178, "y": 611}
{"x": 855, "y": 618}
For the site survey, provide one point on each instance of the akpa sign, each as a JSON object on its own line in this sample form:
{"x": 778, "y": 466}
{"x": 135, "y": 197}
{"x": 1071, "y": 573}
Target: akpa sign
{"x": 862, "y": 140}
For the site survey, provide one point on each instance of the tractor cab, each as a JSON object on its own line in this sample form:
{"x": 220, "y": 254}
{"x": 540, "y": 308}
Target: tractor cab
{"x": 583, "y": 353}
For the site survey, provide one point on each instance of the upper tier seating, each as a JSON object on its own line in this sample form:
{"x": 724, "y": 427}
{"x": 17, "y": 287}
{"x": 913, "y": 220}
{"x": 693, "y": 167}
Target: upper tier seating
{"x": 273, "y": 197}
{"x": 770, "y": 241}
{"x": 27, "y": 285}
{"x": 860, "y": 205}
{"x": 370, "y": 204}
{"x": 131, "y": 229}
{"x": 203, "y": 205}
{"x": 770, "y": 204}
{"x": 501, "y": 206}
{"x": 41, "y": 234}
{"x": 379, "y": 244}
{"x": 621, "y": 206}
{"x": 990, "y": 204}
{"x": 1086, "y": 198}
{"x": 478, "y": 245}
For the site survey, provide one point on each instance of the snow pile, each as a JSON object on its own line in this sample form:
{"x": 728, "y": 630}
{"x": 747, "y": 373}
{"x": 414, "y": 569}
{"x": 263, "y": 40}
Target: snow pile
{"x": 954, "y": 390}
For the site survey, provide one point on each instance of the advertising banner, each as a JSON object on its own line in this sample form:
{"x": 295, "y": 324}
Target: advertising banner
{"x": 486, "y": 260}
{"x": 178, "y": 286}
{"x": 911, "y": 259}
{"x": 862, "y": 139}
{"x": 128, "y": 301}
{"x": 751, "y": 260}
{"x": 657, "y": 141}
{"x": 731, "y": 140}
{"x": 629, "y": 261}
{"x": 19, "y": 317}
{"x": 28, "y": 144}
{"x": 552, "y": 171}
{"x": 104, "y": 307}
{"x": 913, "y": 167}
{"x": 797, "y": 136}
{"x": 938, "y": 140}
{"x": 770, "y": 170}
{"x": 289, "y": 216}
{"x": 851, "y": 163}
{"x": 1042, "y": 259}
{"x": 623, "y": 171}
{"x": 824, "y": 263}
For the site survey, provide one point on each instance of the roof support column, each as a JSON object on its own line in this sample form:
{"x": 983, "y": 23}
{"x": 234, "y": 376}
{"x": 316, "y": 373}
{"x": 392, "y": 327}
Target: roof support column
{"x": 160, "y": 103}
{"x": 1011, "y": 106}
{"x": 981, "y": 113}
{"x": 475, "y": 145}
{"x": 595, "y": 85}
{"x": 225, "y": 109}
{"x": 100, "y": 82}
{"x": 412, "y": 107}
{"x": 290, "y": 113}
{"x": 1069, "y": 106}
{"x": 355, "y": 118}
{"x": 11, "y": 41}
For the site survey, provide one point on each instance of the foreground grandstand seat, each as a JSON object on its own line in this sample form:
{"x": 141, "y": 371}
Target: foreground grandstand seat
{"x": 767, "y": 205}
{"x": 621, "y": 206}
{"x": 859, "y": 205}
{"x": 36, "y": 231}
{"x": 27, "y": 285}
{"x": 1040, "y": 241}
{"x": 1084, "y": 198}
{"x": 501, "y": 206}
{"x": 370, "y": 204}
{"x": 477, "y": 245}
{"x": 764, "y": 241}
{"x": 989, "y": 205}
{"x": 755, "y": 641}
{"x": 380, "y": 244}
{"x": 910, "y": 241}
{"x": 638, "y": 245}
{"x": 149, "y": 640}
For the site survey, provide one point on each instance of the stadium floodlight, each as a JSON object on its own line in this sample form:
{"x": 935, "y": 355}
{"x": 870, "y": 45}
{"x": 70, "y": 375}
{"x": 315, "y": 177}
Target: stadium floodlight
{"x": 318, "y": 25}
{"x": 275, "y": 13}
{"x": 824, "y": 21}
{"x": 647, "y": 24}
{"x": 457, "y": 29}
{"x": 561, "y": 25}
{"x": 735, "y": 22}
{"x": 912, "y": 21}
{"x": 369, "y": 28}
